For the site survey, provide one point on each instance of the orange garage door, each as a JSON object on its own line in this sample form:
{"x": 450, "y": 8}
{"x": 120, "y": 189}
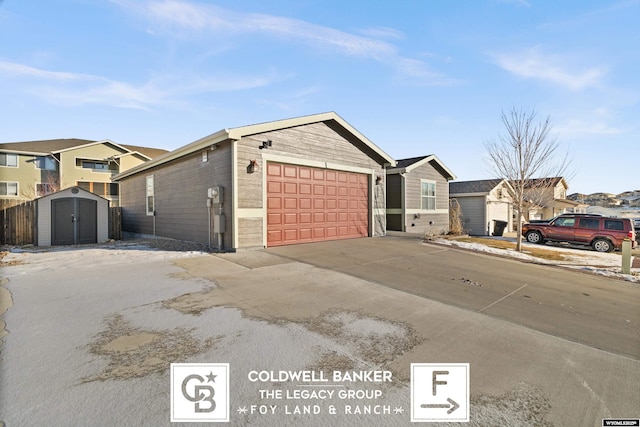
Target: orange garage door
{"x": 306, "y": 204}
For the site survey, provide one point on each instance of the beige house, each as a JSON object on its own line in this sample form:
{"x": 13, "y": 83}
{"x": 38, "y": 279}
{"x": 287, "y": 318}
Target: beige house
{"x": 418, "y": 195}
{"x": 298, "y": 180}
{"x": 547, "y": 198}
{"x": 36, "y": 168}
{"x": 484, "y": 204}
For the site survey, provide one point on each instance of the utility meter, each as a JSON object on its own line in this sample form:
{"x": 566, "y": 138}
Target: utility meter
{"x": 215, "y": 194}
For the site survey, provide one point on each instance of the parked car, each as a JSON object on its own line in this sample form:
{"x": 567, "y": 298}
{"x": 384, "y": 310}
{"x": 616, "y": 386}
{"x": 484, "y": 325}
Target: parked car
{"x": 603, "y": 234}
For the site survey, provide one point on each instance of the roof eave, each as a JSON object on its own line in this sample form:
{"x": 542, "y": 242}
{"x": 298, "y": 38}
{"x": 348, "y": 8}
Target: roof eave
{"x": 213, "y": 139}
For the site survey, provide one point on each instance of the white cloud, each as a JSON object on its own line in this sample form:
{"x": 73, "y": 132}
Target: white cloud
{"x": 81, "y": 89}
{"x": 14, "y": 69}
{"x": 532, "y": 63}
{"x": 183, "y": 18}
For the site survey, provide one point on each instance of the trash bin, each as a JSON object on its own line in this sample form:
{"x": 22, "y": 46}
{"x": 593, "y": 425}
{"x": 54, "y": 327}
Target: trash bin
{"x": 498, "y": 227}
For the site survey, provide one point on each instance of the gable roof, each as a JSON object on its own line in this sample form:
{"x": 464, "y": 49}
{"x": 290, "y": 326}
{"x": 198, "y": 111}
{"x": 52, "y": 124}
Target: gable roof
{"x": 331, "y": 119}
{"x": 48, "y": 146}
{"x": 407, "y": 165}
{"x": 545, "y": 182}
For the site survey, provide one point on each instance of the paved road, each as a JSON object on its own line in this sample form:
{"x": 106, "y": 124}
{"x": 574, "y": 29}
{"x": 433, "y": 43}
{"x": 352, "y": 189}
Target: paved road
{"x": 597, "y": 311}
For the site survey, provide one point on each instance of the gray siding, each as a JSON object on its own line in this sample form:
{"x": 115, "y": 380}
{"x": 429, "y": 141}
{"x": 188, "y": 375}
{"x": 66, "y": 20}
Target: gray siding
{"x": 436, "y": 222}
{"x": 180, "y": 197}
{"x": 474, "y": 214}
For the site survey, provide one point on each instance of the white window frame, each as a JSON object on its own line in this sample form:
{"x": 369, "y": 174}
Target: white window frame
{"x": 149, "y": 201}
{"x": 427, "y": 197}
{"x": 7, "y": 165}
{"x": 7, "y": 183}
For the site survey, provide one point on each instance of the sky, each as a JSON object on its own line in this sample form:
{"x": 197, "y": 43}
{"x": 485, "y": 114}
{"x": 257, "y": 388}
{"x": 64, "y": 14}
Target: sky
{"x": 414, "y": 77}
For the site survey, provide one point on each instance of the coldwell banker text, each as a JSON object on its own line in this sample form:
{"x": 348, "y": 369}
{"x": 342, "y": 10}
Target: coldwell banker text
{"x": 320, "y": 377}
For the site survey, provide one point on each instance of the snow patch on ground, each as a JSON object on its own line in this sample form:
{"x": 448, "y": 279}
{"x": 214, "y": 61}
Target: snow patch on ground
{"x": 605, "y": 264}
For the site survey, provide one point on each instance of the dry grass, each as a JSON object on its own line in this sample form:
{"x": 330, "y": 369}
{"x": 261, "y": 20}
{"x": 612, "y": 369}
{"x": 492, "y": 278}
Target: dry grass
{"x": 8, "y": 263}
{"x": 507, "y": 245}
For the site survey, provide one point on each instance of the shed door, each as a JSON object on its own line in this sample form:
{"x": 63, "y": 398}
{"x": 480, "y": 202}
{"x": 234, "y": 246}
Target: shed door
{"x": 306, "y": 204}
{"x": 74, "y": 221}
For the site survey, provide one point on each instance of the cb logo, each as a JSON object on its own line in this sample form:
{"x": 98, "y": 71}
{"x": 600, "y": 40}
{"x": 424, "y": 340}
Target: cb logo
{"x": 200, "y": 392}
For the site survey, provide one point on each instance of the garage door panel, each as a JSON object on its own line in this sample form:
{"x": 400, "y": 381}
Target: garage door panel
{"x": 290, "y": 218}
{"x": 305, "y": 203}
{"x": 274, "y": 187}
{"x": 274, "y": 169}
{"x": 289, "y": 171}
{"x": 308, "y": 204}
{"x": 290, "y": 188}
{"x": 304, "y": 218}
{"x": 290, "y": 203}
{"x": 305, "y": 234}
{"x": 305, "y": 188}
{"x": 274, "y": 203}
{"x": 274, "y": 237}
{"x": 274, "y": 219}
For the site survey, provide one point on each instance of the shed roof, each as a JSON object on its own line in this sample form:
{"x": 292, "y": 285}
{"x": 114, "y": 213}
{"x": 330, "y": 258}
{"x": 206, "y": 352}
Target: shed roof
{"x": 331, "y": 119}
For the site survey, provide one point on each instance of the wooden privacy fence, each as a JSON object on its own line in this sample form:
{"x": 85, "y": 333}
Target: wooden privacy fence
{"x": 18, "y": 224}
{"x": 115, "y": 223}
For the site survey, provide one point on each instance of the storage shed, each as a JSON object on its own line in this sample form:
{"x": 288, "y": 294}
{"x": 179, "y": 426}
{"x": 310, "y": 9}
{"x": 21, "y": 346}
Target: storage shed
{"x": 71, "y": 216}
{"x": 298, "y": 180}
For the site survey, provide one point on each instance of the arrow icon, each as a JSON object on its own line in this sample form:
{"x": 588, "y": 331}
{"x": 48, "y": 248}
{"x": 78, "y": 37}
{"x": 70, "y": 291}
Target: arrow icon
{"x": 452, "y": 405}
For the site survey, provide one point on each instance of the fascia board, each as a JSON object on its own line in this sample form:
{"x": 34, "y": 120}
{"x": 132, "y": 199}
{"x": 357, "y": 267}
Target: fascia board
{"x": 430, "y": 158}
{"x": 209, "y": 140}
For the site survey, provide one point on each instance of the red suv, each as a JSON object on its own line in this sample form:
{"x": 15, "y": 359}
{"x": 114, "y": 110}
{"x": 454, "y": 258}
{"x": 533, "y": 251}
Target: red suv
{"x": 602, "y": 233}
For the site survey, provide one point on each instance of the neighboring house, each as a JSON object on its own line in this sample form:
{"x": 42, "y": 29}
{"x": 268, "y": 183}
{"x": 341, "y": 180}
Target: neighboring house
{"x": 36, "y": 168}
{"x": 418, "y": 195}
{"x": 547, "y": 198}
{"x": 483, "y": 203}
{"x": 289, "y": 181}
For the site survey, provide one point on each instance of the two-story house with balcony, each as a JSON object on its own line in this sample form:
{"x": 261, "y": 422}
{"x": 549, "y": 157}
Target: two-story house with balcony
{"x": 33, "y": 169}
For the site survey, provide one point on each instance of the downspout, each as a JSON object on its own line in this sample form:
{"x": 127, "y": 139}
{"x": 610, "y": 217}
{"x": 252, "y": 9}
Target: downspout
{"x": 403, "y": 197}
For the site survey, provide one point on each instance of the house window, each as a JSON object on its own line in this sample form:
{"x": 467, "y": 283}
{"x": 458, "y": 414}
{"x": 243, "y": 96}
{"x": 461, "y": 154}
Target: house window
{"x": 428, "y": 195}
{"x": 45, "y": 163}
{"x": 9, "y": 189}
{"x": 9, "y": 160}
{"x": 42, "y": 189}
{"x": 94, "y": 165}
{"x": 150, "y": 193}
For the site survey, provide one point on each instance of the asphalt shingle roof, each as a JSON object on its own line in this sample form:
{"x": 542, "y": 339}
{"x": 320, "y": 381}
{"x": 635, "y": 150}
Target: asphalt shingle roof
{"x": 53, "y": 145}
{"x": 480, "y": 186}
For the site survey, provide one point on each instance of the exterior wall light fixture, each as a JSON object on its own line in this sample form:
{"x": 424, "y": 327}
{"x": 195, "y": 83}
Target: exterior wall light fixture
{"x": 265, "y": 144}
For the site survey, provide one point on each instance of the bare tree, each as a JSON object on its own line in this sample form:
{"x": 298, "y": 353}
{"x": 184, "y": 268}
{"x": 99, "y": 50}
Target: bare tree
{"x": 525, "y": 151}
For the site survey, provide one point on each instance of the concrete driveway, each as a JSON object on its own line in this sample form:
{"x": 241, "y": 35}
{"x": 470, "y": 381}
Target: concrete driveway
{"x": 92, "y": 342}
{"x": 600, "y": 312}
